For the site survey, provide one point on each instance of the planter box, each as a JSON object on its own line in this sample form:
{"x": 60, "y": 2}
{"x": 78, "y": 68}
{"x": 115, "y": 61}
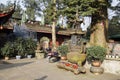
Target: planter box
{"x": 29, "y": 56}
{"x": 18, "y": 57}
{"x": 39, "y": 54}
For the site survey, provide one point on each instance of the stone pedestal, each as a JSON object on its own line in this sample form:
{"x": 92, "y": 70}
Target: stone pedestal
{"x": 96, "y": 70}
{"x": 39, "y": 54}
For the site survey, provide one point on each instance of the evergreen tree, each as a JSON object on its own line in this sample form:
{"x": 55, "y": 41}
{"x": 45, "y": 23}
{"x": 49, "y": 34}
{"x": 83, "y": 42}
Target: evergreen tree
{"x": 114, "y": 23}
{"x": 97, "y": 9}
{"x": 114, "y": 26}
{"x": 32, "y": 8}
{"x": 50, "y": 13}
{"x": 18, "y": 9}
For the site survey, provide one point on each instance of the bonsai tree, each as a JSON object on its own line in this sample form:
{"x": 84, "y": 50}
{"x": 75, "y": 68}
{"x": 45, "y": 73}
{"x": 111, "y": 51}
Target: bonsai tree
{"x": 96, "y": 53}
{"x": 7, "y": 49}
{"x": 63, "y": 50}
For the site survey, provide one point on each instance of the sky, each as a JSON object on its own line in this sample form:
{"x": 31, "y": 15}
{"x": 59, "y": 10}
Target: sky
{"x": 4, "y": 1}
{"x": 87, "y": 19}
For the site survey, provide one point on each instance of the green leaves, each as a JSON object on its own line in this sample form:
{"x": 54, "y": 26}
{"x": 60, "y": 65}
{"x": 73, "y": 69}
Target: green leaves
{"x": 63, "y": 50}
{"x": 7, "y": 50}
{"x": 96, "y": 53}
{"x": 32, "y": 7}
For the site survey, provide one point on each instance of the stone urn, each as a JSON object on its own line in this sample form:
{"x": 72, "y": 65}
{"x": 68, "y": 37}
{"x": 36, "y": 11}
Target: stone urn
{"x": 39, "y": 54}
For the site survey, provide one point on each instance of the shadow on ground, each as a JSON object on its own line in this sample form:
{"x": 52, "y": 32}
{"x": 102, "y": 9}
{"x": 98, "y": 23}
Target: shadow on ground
{"x": 6, "y": 65}
{"x": 42, "y": 78}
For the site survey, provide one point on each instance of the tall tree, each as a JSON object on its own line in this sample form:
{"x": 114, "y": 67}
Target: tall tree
{"x": 32, "y": 8}
{"x": 18, "y": 9}
{"x": 71, "y": 9}
{"x": 97, "y": 9}
{"x": 114, "y": 26}
{"x": 114, "y": 23}
{"x": 54, "y": 26}
{"x": 51, "y": 18}
{"x": 99, "y": 23}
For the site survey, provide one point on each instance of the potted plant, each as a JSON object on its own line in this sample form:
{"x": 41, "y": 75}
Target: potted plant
{"x": 7, "y": 50}
{"x": 19, "y": 46}
{"x": 63, "y": 50}
{"x": 30, "y": 47}
{"x": 96, "y": 55}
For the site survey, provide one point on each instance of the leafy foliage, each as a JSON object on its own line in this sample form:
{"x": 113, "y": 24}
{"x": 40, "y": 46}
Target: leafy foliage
{"x": 32, "y": 8}
{"x": 50, "y": 11}
{"x": 63, "y": 50}
{"x": 18, "y": 9}
{"x": 7, "y": 50}
{"x": 96, "y": 53}
{"x": 114, "y": 26}
{"x": 24, "y": 46}
{"x": 30, "y": 46}
{"x": 19, "y": 46}
{"x": 84, "y": 7}
{"x": 114, "y": 23}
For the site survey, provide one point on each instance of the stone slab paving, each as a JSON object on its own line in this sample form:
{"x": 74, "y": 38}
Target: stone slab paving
{"x": 33, "y": 69}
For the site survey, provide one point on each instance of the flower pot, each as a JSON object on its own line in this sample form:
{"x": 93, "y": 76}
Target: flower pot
{"x": 18, "y": 57}
{"x": 96, "y": 63}
{"x": 63, "y": 58}
{"x": 6, "y": 58}
{"x": 29, "y": 56}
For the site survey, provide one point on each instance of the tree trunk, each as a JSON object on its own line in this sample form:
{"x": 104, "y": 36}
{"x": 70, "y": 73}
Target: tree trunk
{"x": 99, "y": 27}
{"x": 53, "y": 36}
{"x": 54, "y": 28}
{"x": 98, "y": 36}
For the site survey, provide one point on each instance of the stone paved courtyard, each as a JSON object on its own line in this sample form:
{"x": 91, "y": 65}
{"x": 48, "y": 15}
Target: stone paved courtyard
{"x": 33, "y": 69}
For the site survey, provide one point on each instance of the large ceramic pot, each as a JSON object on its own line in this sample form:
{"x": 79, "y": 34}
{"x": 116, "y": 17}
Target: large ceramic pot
{"x": 96, "y": 63}
{"x": 76, "y": 58}
{"x": 63, "y": 58}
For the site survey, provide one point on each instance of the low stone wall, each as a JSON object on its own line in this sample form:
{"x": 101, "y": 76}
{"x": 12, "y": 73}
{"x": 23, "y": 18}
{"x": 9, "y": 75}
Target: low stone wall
{"x": 110, "y": 66}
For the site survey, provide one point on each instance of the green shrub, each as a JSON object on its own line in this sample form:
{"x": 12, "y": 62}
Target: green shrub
{"x": 96, "y": 53}
{"x": 30, "y": 46}
{"x": 63, "y": 50}
{"x": 7, "y": 50}
{"x": 24, "y": 47}
{"x": 19, "y": 46}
